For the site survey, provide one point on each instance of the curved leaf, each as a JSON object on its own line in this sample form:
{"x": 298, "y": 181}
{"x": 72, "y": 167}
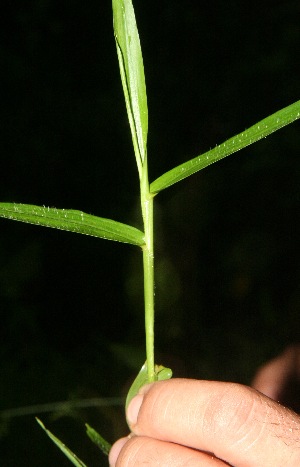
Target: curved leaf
{"x": 256, "y": 132}
{"x": 161, "y": 373}
{"x": 73, "y": 221}
{"x": 132, "y": 75}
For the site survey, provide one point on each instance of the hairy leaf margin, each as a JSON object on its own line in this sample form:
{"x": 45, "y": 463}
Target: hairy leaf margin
{"x": 256, "y": 132}
{"x": 73, "y": 221}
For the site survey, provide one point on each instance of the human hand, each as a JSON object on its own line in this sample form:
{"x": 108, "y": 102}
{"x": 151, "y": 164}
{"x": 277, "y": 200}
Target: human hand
{"x": 183, "y": 422}
{"x": 280, "y": 378}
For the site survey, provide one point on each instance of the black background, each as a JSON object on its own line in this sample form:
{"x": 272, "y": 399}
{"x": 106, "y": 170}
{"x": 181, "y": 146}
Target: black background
{"x": 227, "y": 256}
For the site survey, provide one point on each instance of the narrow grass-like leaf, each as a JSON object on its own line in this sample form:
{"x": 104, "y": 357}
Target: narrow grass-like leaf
{"x": 97, "y": 439}
{"x": 73, "y": 221}
{"x": 68, "y": 453}
{"x": 132, "y": 75}
{"x": 256, "y": 132}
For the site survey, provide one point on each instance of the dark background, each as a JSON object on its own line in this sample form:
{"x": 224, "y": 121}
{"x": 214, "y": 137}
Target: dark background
{"x": 227, "y": 256}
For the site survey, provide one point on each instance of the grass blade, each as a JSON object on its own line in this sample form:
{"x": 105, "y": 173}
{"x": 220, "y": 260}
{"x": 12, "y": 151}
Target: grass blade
{"x": 256, "y": 132}
{"x": 132, "y": 75}
{"x": 70, "y": 455}
{"x": 73, "y": 221}
{"x": 100, "y": 442}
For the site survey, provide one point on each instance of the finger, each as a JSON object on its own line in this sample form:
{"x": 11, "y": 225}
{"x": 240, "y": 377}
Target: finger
{"x": 271, "y": 378}
{"x": 115, "y": 450}
{"x": 236, "y": 423}
{"x": 141, "y": 450}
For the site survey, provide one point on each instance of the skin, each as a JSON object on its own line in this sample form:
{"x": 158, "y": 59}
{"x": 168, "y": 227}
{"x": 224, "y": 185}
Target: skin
{"x": 184, "y": 422}
{"x": 279, "y": 378}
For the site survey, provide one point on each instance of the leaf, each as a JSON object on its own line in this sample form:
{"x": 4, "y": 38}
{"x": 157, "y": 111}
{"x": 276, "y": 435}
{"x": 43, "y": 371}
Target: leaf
{"x": 132, "y": 75}
{"x": 100, "y": 442}
{"x": 73, "y": 221}
{"x": 161, "y": 373}
{"x": 70, "y": 455}
{"x": 256, "y": 132}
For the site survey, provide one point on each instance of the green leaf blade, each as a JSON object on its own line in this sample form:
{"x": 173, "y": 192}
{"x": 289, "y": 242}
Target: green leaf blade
{"x": 256, "y": 132}
{"x": 97, "y": 439}
{"x": 68, "y": 453}
{"x": 73, "y": 221}
{"x": 132, "y": 75}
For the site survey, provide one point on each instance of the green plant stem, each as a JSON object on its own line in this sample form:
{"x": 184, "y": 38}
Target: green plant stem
{"x": 148, "y": 262}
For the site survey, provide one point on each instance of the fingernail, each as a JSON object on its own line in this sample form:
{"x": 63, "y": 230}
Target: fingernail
{"x": 115, "y": 451}
{"x": 134, "y": 408}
